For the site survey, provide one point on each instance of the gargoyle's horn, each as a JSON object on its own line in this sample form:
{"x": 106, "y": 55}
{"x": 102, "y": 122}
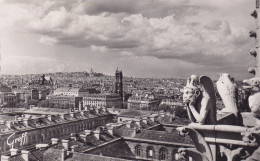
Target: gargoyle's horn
{"x": 188, "y": 82}
{"x": 193, "y": 80}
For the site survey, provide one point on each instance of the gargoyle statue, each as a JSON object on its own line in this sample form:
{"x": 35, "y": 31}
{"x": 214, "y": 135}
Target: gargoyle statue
{"x": 200, "y": 98}
{"x": 253, "y": 85}
{"x": 228, "y": 92}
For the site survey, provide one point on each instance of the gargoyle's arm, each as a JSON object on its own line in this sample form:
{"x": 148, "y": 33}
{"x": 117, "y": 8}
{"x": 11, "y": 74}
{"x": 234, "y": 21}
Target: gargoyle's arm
{"x": 191, "y": 117}
{"x": 200, "y": 117}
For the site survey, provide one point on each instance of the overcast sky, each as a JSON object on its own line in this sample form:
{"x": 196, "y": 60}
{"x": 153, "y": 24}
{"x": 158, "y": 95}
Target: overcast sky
{"x": 144, "y": 38}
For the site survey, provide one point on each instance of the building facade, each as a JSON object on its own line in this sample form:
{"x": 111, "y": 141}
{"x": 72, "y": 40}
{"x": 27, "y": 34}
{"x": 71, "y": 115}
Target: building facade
{"x": 172, "y": 103}
{"x": 140, "y": 102}
{"x": 6, "y": 95}
{"x": 108, "y": 100}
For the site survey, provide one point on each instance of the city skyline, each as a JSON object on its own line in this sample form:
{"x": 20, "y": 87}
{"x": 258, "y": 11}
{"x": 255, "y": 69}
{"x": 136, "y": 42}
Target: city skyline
{"x": 143, "y": 38}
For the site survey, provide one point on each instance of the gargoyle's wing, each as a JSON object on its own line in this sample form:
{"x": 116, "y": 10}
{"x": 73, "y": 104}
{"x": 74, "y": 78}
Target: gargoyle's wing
{"x": 208, "y": 86}
{"x": 209, "y": 91}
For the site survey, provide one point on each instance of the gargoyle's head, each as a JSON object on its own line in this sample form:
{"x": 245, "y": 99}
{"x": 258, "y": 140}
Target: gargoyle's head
{"x": 253, "y": 84}
{"x": 191, "y": 89}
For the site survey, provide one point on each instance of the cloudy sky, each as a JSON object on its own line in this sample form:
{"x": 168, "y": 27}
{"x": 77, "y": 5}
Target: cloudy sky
{"x": 144, "y": 38}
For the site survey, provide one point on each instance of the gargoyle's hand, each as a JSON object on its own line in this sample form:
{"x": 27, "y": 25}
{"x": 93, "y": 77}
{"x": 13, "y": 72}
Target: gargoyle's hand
{"x": 192, "y": 100}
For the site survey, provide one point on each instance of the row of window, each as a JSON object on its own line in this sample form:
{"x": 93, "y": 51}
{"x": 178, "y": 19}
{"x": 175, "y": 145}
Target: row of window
{"x": 150, "y": 153}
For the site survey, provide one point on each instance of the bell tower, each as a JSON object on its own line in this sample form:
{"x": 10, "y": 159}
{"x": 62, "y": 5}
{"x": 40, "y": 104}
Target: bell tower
{"x": 119, "y": 83}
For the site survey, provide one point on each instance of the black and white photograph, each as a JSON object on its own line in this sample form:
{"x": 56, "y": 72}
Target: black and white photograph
{"x": 129, "y": 80}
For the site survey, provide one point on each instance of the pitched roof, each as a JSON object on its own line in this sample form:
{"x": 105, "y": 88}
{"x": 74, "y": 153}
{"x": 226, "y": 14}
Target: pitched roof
{"x": 84, "y": 157}
{"x": 163, "y": 136}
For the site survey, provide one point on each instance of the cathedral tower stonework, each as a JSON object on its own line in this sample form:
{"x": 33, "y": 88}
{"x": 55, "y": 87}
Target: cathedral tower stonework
{"x": 119, "y": 83}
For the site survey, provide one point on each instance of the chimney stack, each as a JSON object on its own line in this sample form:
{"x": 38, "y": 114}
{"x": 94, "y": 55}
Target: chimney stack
{"x": 9, "y": 124}
{"x": 41, "y": 146}
{"x": 73, "y": 136}
{"x": 128, "y": 124}
{"x": 50, "y": 118}
{"x": 54, "y": 141}
{"x": 96, "y": 109}
{"x": 5, "y": 158}
{"x": 110, "y": 130}
{"x": 145, "y": 120}
{"x": 162, "y": 114}
{"x": 65, "y": 144}
{"x": 104, "y": 109}
{"x": 138, "y": 123}
{"x": 14, "y": 151}
{"x": 87, "y": 132}
{"x": 152, "y": 118}
{"x": 83, "y": 137}
{"x": 97, "y": 134}
{"x": 62, "y": 116}
{"x": 72, "y": 114}
{"x": 25, "y": 155}
{"x": 73, "y": 148}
